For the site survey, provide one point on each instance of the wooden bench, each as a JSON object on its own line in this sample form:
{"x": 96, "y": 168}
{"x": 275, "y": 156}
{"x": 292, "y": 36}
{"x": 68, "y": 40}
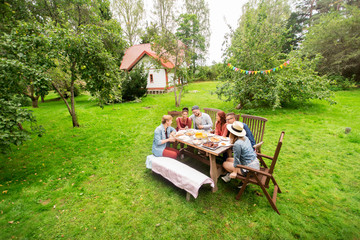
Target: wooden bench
{"x": 181, "y": 175}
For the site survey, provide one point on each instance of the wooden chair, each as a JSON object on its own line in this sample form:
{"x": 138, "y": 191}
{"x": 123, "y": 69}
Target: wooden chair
{"x": 263, "y": 176}
{"x": 212, "y": 113}
{"x": 257, "y": 127}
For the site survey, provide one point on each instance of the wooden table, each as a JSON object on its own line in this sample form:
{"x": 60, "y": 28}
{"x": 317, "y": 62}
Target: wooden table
{"x": 209, "y": 158}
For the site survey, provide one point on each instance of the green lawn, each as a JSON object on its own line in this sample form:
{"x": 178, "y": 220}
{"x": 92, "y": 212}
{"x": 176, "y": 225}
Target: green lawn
{"x": 91, "y": 182}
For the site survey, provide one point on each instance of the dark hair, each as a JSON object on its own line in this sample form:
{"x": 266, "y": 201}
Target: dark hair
{"x": 230, "y": 113}
{"x": 185, "y": 109}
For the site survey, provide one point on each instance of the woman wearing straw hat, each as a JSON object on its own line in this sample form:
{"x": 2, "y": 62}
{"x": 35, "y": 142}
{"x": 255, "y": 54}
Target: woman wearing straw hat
{"x": 244, "y": 154}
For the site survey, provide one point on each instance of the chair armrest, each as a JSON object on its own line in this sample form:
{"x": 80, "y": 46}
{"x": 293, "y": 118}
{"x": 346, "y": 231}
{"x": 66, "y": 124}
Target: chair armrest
{"x": 258, "y": 145}
{"x": 253, "y": 170}
{"x": 263, "y": 155}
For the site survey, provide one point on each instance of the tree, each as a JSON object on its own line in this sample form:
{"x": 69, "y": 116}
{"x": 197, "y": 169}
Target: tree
{"x": 189, "y": 33}
{"x": 200, "y": 8}
{"x": 167, "y": 46}
{"x": 164, "y": 14}
{"x": 27, "y": 44}
{"x": 257, "y": 44}
{"x": 83, "y": 54}
{"x": 131, "y": 14}
{"x": 336, "y": 37}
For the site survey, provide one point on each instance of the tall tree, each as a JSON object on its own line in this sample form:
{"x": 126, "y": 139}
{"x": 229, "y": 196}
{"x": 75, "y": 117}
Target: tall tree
{"x": 200, "y": 8}
{"x": 189, "y": 33}
{"x": 336, "y": 37}
{"x": 256, "y": 45}
{"x": 164, "y": 14}
{"x": 167, "y": 46}
{"x": 131, "y": 15}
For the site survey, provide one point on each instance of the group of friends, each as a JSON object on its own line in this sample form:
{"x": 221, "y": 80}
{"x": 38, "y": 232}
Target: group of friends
{"x": 226, "y": 126}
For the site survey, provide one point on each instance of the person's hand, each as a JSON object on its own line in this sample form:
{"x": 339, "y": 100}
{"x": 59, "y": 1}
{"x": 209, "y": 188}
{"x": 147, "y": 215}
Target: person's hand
{"x": 200, "y": 126}
{"x": 171, "y": 138}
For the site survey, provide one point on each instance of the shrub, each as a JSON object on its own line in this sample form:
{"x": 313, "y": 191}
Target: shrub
{"x": 134, "y": 84}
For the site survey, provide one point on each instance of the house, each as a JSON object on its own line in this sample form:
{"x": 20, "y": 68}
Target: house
{"x": 160, "y": 79}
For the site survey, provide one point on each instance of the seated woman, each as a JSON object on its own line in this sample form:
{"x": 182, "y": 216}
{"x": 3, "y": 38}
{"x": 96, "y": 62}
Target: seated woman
{"x": 244, "y": 154}
{"x": 220, "y": 125}
{"x": 162, "y": 136}
{"x": 183, "y": 122}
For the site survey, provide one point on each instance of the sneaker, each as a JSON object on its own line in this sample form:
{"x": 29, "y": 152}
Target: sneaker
{"x": 240, "y": 185}
{"x": 226, "y": 178}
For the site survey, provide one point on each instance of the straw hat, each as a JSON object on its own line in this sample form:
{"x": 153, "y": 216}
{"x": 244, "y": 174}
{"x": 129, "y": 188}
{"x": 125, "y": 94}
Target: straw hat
{"x": 237, "y": 128}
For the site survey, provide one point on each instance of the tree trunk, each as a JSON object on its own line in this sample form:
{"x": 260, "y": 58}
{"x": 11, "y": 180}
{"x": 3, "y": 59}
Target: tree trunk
{"x": 177, "y": 103}
{"x": 35, "y": 101}
{"x": 42, "y": 98}
{"x": 73, "y": 113}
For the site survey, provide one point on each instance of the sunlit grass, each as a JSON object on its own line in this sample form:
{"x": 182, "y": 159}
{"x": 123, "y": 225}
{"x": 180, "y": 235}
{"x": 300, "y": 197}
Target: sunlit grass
{"x": 91, "y": 182}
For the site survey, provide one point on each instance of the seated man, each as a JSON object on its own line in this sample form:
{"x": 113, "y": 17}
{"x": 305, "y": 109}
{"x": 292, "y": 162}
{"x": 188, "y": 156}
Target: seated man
{"x": 202, "y": 121}
{"x": 230, "y": 119}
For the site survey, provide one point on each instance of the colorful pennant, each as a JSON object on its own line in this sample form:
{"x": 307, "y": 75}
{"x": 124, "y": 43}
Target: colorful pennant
{"x": 275, "y": 69}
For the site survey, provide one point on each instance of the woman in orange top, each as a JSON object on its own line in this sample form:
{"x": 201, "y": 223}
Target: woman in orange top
{"x": 220, "y": 125}
{"x": 183, "y": 122}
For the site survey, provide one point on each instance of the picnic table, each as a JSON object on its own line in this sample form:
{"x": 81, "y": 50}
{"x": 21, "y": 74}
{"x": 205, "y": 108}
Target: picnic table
{"x": 207, "y": 154}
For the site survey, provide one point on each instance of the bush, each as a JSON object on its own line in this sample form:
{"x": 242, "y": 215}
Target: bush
{"x": 296, "y": 82}
{"x": 134, "y": 84}
{"x": 22, "y": 100}
{"x": 338, "y": 83}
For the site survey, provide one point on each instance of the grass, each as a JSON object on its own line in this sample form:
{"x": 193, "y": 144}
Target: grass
{"x": 91, "y": 182}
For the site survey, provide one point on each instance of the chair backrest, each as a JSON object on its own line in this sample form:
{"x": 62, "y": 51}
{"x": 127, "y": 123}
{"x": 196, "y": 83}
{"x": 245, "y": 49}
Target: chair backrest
{"x": 277, "y": 151}
{"x": 174, "y": 114}
{"x": 256, "y": 125}
{"x": 212, "y": 113}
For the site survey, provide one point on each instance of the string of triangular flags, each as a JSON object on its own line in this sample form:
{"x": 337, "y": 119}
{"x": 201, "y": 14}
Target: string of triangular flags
{"x": 275, "y": 69}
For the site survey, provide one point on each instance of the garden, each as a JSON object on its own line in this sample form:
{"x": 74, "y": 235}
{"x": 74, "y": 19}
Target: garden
{"x": 91, "y": 182}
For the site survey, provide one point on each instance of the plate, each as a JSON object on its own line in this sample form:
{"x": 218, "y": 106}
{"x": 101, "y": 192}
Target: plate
{"x": 216, "y": 146}
{"x": 224, "y": 144}
{"x": 215, "y": 139}
{"x": 224, "y": 139}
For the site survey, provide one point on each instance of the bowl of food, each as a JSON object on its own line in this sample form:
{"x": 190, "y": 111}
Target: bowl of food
{"x": 197, "y": 142}
{"x": 200, "y": 135}
{"x": 189, "y": 133}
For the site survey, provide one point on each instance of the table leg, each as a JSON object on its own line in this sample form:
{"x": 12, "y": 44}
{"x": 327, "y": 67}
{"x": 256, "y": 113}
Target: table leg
{"x": 213, "y": 172}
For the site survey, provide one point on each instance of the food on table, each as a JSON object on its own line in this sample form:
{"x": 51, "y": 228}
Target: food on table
{"x": 189, "y": 133}
{"x": 215, "y": 139}
{"x": 178, "y": 134}
{"x": 197, "y": 142}
{"x": 200, "y": 135}
{"x": 223, "y": 143}
{"x": 211, "y": 144}
{"x": 224, "y": 138}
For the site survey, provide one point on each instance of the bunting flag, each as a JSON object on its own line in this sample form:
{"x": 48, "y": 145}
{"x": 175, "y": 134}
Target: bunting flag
{"x": 247, "y": 72}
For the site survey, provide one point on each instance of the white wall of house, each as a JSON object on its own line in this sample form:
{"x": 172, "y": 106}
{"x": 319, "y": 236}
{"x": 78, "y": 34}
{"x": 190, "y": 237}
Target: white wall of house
{"x": 158, "y": 75}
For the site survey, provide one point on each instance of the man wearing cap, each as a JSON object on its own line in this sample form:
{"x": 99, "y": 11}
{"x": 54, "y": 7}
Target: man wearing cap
{"x": 230, "y": 119}
{"x": 201, "y": 120}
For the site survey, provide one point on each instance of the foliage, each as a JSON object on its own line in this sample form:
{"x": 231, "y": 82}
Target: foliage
{"x": 341, "y": 83}
{"x": 150, "y": 34}
{"x": 81, "y": 183}
{"x": 164, "y": 14}
{"x": 131, "y": 14}
{"x": 189, "y": 33}
{"x": 200, "y": 9}
{"x": 27, "y": 56}
{"x": 336, "y": 37}
{"x": 134, "y": 85}
{"x": 11, "y": 119}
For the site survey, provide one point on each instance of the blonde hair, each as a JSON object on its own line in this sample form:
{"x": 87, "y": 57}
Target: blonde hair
{"x": 234, "y": 138}
{"x": 165, "y": 118}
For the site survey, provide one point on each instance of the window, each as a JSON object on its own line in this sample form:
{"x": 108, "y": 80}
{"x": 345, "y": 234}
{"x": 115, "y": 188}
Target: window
{"x": 151, "y": 78}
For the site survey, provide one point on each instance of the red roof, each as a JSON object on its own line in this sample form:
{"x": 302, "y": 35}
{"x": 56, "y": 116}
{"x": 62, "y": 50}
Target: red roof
{"x": 136, "y": 52}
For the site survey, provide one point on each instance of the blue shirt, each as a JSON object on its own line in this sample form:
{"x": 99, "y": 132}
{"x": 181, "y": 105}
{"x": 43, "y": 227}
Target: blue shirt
{"x": 244, "y": 153}
{"x": 159, "y": 135}
{"x": 249, "y": 135}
